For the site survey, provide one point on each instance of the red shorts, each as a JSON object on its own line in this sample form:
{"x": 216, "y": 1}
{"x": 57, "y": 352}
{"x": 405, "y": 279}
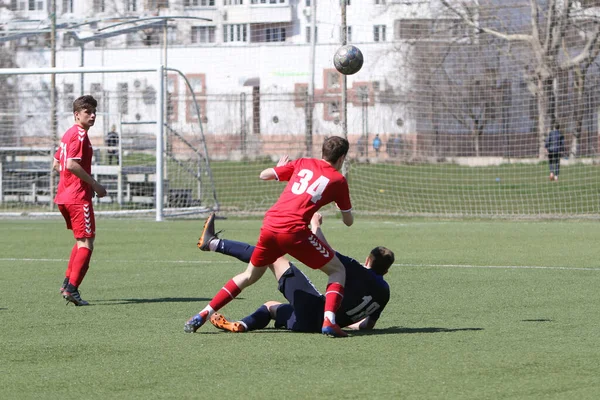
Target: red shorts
{"x": 79, "y": 218}
{"x": 303, "y": 245}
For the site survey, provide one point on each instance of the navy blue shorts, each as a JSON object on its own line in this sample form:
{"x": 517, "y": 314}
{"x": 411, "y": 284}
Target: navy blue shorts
{"x": 304, "y": 313}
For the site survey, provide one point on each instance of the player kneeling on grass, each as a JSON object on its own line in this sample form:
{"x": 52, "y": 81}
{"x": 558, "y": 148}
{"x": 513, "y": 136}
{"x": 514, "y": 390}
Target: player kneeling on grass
{"x": 366, "y": 294}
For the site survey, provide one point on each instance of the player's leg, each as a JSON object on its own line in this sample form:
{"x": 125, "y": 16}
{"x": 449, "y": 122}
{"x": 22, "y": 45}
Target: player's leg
{"x": 65, "y": 213}
{"x": 259, "y": 319}
{"x": 310, "y": 250}
{"x": 227, "y": 293}
{"x": 84, "y": 227}
{"x": 306, "y": 304}
{"x": 336, "y": 273}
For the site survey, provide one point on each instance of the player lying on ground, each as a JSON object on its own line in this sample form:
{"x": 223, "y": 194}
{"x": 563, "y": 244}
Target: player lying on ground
{"x": 365, "y": 297}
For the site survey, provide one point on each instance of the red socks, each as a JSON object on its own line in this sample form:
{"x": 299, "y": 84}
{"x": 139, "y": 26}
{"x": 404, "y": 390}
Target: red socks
{"x": 334, "y": 296}
{"x": 79, "y": 266}
{"x": 71, "y": 258}
{"x": 225, "y": 295}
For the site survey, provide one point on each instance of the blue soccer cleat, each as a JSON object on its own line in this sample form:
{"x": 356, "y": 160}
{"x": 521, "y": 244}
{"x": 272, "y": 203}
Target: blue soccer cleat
{"x": 332, "y": 330}
{"x": 194, "y": 323}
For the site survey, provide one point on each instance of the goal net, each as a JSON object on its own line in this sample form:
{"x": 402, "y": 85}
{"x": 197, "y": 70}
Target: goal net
{"x": 126, "y": 150}
{"x": 448, "y": 116}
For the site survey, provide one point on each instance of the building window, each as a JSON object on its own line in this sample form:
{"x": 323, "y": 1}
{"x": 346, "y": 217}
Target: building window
{"x": 68, "y": 96}
{"x": 196, "y": 3}
{"x": 67, "y": 6}
{"x": 308, "y": 38}
{"x": 96, "y": 91}
{"x": 99, "y": 5}
{"x": 348, "y": 35}
{"x": 235, "y": 33}
{"x": 332, "y": 110}
{"x": 198, "y": 84}
{"x": 380, "y": 2}
{"x": 233, "y": 2}
{"x": 379, "y": 33}
{"x": 155, "y": 4}
{"x": 123, "y": 96}
{"x": 27, "y": 5}
{"x": 332, "y": 80}
{"x": 172, "y": 97}
{"x": 275, "y": 34}
{"x": 203, "y": 34}
{"x": 259, "y": 2}
{"x": 131, "y": 5}
{"x": 307, "y": 3}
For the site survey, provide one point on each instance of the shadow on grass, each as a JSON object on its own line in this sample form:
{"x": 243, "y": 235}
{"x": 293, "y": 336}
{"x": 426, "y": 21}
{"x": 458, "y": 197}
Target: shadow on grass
{"x": 2, "y": 309}
{"x": 107, "y": 302}
{"x": 403, "y": 330}
{"x": 386, "y": 331}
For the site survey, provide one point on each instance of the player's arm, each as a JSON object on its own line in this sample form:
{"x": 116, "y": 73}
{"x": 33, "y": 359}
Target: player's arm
{"x": 315, "y": 227}
{"x": 269, "y": 174}
{"x": 76, "y": 169}
{"x": 364, "y": 324}
{"x": 348, "y": 217}
{"x": 56, "y": 165}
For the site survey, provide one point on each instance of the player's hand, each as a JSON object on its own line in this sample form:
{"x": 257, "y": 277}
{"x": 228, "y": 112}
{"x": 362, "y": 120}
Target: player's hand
{"x": 99, "y": 189}
{"x": 316, "y": 220}
{"x": 283, "y": 160}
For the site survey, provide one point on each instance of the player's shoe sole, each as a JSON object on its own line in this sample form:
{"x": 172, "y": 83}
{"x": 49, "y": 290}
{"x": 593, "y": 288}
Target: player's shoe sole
{"x": 75, "y": 298}
{"x": 332, "y": 330}
{"x": 194, "y": 323}
{"x": 208, "y": 233}
{"x": 221, "y": 322}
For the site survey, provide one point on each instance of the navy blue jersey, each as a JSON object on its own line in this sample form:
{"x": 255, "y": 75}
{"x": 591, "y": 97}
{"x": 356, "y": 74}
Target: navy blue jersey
{"x": 365, "y": 293}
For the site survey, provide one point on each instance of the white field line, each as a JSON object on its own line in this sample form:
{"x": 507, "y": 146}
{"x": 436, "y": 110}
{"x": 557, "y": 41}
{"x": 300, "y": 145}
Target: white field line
{"x": 500, "y": 267}
{"x": 234, "y": 261}
{"x": 58, "y": 260}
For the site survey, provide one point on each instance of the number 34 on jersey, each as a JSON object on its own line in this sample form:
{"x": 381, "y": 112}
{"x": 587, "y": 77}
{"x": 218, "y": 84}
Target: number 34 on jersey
{"x": 314, "y": 189}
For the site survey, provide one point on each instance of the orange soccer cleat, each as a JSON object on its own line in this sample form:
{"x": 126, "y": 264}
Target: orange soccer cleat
{"x": 221, "y": 322}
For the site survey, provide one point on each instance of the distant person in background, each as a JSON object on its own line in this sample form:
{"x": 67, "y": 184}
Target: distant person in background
{"x": 389, "y": 147}
{"x": 377, "y": 145}
{"x": 397, "y": 145}
{"x": 112, "y": 142}
{"x": 76, "y": 187}
{"x": 554, "y": 144}
{"x": 361, "y": 145}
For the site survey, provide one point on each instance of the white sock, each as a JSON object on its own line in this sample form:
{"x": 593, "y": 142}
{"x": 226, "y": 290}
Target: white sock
{"x": 209, "y": 309}
{"x": 330, "y": 315}
{"x": 213, "y": 245}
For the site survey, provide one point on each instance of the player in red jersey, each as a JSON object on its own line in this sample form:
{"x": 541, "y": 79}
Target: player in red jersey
{"x": 312, "y": 183}
{"x": 73, "y": 161}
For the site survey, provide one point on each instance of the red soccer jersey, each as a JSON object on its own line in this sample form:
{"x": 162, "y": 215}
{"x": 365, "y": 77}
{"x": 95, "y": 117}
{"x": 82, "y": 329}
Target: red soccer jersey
{"x": 75, "y": 144}
{"x": 312, "y": 184}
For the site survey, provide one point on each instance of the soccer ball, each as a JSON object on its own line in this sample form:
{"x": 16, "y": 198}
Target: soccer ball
{"x": 348, "y": 59}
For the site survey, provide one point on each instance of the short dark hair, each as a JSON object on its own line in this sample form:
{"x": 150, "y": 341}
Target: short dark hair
{"x": 86, "y": 102}
{"x": 334, "y": 147}
{"x": 381, "y": 259}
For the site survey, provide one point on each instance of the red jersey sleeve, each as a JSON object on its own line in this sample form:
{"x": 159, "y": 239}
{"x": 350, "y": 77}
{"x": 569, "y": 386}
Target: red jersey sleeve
{"x": 285, "y": 172}
{"x": 343, "y": 196}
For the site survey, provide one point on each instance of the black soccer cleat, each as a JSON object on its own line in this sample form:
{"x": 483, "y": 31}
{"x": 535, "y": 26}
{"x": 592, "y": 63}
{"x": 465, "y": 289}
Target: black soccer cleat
{"x": 75, "y": 298}
{"x": 208, "y": 233}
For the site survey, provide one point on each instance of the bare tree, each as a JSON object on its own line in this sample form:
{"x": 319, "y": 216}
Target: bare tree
{"x": 548, "y": 27}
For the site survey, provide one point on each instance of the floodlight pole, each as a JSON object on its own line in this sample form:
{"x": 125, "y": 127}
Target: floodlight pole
{"x": 53, "y": 127}
{"x": 344, "y": 38}
{"x": 310, "y": 99}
